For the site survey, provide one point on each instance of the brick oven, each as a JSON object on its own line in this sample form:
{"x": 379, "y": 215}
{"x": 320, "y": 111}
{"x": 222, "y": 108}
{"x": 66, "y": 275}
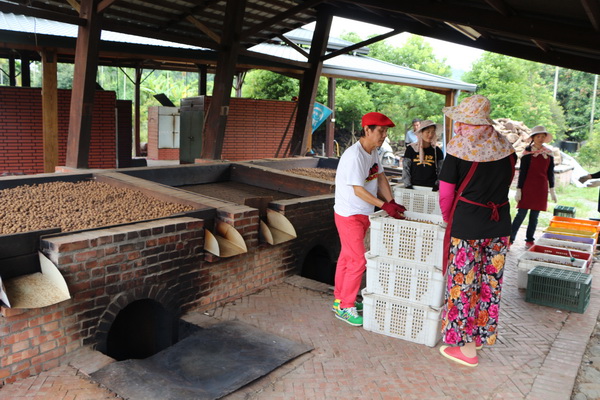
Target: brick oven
{"x": 130, "y": 283}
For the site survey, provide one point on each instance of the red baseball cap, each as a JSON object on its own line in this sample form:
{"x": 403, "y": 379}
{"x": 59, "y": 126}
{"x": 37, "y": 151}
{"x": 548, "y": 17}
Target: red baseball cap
{"x": 375, "y": 118}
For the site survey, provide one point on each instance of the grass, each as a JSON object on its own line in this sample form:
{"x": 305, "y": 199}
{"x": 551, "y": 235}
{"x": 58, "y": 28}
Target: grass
{"x": 585, "y": 201}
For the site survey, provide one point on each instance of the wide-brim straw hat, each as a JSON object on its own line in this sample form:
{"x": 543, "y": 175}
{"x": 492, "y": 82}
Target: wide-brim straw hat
{"x": 474, "y": 110}
{"x": 427, "y": 123}
{"x": 540, "y": 129}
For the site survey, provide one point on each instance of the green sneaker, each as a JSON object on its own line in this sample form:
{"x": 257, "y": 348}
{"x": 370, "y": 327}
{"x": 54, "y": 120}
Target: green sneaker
{"x": 350, "y": 316}
{"x": 336, "y": 306}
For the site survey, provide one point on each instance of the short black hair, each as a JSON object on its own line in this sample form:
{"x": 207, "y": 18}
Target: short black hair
{"x": 416, "y": 120}
{"x": 363, "y": 131}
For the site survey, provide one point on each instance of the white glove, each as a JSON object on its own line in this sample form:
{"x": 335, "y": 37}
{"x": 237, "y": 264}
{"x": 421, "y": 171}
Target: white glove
{"x": 553, "y": 195}
{"x": 594, "y": 183}
{"x": 518, "y": 195}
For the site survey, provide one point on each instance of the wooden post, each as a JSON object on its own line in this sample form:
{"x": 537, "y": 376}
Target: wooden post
{"x": 310, "y": 83}
{"x": 138, "y": 83}
{"x": 330, "y": 123}
{"x": 448, "y": 123}
{"x": 25, "y": 72}
{"x": 49, "y": 110}
{"x": 202, "y": 75}
{"x": 216, "y": 121}
{"x": 84, "y": 86}
{"x": 12, "y": 72}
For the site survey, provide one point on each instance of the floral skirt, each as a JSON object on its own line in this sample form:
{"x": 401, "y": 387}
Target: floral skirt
{"x": 473, "y": 289}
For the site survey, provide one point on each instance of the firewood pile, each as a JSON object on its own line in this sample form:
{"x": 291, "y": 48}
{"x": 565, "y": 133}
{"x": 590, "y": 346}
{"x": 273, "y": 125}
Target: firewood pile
{"x": 517, "y": 133}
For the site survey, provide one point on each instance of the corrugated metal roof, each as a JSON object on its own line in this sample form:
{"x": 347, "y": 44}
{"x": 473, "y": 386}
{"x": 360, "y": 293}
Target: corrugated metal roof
{"x": 304, "y": 36}
{"x": 40, "y": 26}
{"x": 369, "y": 69}
{"x": 358, "y": 67}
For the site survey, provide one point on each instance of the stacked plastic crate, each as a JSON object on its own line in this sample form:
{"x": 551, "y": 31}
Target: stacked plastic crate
{"x": 556, "y": 271}
{"x": 405, "y": 288}
{"x": 568, "y": 244}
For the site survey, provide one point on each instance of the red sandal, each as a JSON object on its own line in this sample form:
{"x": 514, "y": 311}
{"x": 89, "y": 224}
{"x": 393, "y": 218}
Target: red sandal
{"x": 454, "y": 354}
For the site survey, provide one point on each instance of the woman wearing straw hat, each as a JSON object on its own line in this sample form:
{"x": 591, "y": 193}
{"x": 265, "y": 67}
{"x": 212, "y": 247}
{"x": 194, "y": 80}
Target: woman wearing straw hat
{"x": 536, "y": 179}
{"x": 423, "y": 159}
{"x": 474, "y": 184}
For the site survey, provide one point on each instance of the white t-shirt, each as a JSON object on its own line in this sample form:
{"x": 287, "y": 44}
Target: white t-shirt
{"x": 356, "y": 168}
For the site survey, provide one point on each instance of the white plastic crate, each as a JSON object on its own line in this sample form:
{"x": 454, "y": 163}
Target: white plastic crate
{"x": 409, "y": 240}
{"x": 405, "y": 280}
{"x": 529, "y": 260}
{"x": 418, "y": 200}
{"x": 401, "y": 319}
{"x": 565, "y": 244}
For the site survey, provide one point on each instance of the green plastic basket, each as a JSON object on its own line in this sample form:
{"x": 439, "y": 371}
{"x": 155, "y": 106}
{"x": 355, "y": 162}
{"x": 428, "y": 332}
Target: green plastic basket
{"x": 559, "y": 288}
{"x": 564, "y": 211}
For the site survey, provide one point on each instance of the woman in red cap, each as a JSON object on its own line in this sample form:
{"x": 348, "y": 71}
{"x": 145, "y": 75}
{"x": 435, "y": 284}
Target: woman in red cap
{"x": 474, "y": 183}
{"x": 358, "y": 182}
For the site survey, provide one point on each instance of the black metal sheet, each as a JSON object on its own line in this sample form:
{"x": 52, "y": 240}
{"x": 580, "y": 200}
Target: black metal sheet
{"x": 209, "y": 364}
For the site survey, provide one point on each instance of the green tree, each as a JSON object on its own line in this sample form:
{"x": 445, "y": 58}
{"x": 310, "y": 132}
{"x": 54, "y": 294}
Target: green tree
{"x": 404, "y": 103}
{"x": 351, "y": 103}
{"x": 261, "y": 84}
{"x": 574, "y": 93}
{"x": 517, "y": 90}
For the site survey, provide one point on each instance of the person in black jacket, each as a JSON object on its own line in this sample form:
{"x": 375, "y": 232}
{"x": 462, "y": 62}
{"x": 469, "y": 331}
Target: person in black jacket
{"x": 422, "y": 159}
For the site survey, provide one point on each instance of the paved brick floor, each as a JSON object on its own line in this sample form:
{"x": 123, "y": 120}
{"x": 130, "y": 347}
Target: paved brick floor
{"x": 537, "y": 356}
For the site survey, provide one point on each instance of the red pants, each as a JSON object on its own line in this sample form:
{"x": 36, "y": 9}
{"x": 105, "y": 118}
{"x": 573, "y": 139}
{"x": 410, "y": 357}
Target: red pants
{"x": 351, "y": 262}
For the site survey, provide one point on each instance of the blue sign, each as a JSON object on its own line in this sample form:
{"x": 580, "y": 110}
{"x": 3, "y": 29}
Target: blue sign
{"x": 320, "y": 114}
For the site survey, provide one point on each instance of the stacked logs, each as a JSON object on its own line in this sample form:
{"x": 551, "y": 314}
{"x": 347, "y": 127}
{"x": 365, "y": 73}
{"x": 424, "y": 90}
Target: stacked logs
{"x": 517, "y": 133}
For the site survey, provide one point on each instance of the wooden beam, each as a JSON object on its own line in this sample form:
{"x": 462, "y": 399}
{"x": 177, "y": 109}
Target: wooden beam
{"x": 84, "y": 86}
{"x": 566, "y": 58}
{"x": 541, "y": 45}
{"x": 592, "y": 9}
{"x": 309, "y": 83}
{"x": 500, "y": 6}
{"x": 553, "y": 33}
{"x": 293, "y": 45}
{"x": 362, "y": 44}
{"x": 104, "y": 4}
{"x": 75, "y": 5}
{"x": 49, "y": 110}
{"x": 205, "y": 29}
{"x": 216, "y": 120}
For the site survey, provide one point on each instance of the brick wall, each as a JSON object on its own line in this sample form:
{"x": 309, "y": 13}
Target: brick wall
{"x": 21, "y": 146}
{"x": 107, "y": 269}
{"x": 255, "y": 129}
{"x": 313, "y": 220}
